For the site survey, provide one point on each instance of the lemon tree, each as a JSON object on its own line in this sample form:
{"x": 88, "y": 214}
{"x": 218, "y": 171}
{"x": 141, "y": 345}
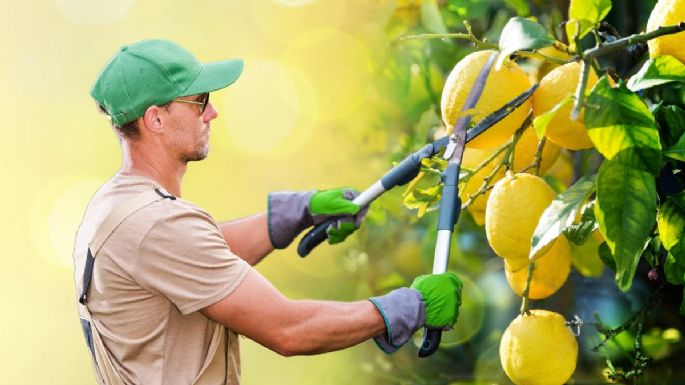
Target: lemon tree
{"x": 583, "y": 183}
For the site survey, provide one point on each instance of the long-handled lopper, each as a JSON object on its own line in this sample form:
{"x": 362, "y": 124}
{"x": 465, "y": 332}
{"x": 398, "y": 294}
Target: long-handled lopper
{"x": 450, "y": 204}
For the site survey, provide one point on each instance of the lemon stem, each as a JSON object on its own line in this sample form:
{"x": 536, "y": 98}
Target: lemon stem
{"x": 525, "y": 304}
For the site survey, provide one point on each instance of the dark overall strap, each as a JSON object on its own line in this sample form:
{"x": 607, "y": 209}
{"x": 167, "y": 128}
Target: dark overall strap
{"x": 111, "y": 222}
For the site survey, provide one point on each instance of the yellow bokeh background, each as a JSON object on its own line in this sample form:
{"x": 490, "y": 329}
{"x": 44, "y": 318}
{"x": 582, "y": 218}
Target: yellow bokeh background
{"x": 288, "y": 123}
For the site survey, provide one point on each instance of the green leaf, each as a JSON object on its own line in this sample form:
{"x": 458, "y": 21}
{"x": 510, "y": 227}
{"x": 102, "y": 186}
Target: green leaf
{"x": 606, "y": 256}
{"x": 621, "y": 126}
{"x": 521, "y": 34}
{"x": 626, "y": 212}
{"x": 423, "y": 200}
{"x": 431, "y": 18}
{"x": 671, "y": 123}
{"x": 674, "y": 269}
{"x": 584, "y": 15}
{"x": 661, "y": 70}
{"x": 677, "y": 151}
{"x": 579, "y": 233}
{"x": 561, "y": 213}
{"x": 671, "y": 221}
{"x": 541, "y": 122}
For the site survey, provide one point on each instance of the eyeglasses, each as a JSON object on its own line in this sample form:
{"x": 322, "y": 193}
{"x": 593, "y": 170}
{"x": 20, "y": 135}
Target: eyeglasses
{"x": 202, "y": 101}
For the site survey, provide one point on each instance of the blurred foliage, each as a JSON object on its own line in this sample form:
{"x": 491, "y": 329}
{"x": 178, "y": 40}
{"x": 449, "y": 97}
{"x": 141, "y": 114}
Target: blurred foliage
{"x": 400, "y": 244}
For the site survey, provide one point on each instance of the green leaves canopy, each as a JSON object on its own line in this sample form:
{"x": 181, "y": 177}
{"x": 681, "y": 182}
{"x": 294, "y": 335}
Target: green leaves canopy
{"x": 622, "y": 128}
{"x": 626, "y": 212}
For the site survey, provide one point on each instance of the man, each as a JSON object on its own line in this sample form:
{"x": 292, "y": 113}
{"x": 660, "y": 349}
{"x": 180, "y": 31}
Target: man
{"x": 164, "y": 290}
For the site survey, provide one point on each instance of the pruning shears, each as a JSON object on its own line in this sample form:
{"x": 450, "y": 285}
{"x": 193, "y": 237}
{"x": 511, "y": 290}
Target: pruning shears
{"x": 450, "y": 203}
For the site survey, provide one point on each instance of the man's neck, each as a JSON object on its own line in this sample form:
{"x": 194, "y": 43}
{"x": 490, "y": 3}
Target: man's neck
{"x": 166, "y": 171}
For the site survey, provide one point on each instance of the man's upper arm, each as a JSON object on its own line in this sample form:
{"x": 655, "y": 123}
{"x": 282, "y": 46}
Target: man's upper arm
{"x": 256, "y": 310}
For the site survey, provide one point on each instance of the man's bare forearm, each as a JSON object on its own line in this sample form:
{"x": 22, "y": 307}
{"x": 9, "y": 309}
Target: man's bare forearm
{"x": 248, "y": 237}
{"x": 294, "y": 327}
{"x": 329, "y": 326}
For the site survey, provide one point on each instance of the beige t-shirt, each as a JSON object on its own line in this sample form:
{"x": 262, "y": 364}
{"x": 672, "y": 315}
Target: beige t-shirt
{"x": 150, "y": 279}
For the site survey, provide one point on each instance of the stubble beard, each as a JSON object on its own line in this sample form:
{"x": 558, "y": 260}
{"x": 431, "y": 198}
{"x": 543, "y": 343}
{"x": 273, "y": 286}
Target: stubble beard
{"x": 197, "y": 155}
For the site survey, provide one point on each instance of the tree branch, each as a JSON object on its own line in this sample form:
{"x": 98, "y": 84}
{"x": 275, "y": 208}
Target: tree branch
{"x": 633, "y": 39}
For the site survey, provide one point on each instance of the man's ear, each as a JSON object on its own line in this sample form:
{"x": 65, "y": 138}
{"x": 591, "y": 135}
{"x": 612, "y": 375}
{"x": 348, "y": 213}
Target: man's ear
{"x": 153, "y": 119}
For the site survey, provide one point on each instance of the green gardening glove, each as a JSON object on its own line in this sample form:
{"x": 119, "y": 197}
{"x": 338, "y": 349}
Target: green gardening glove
{"x": 442, "y": 295}
{"x": 292, "y": 212}
{"x": 326, "y": 204}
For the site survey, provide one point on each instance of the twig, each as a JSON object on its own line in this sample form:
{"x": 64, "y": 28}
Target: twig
{"x": 463, "y": 36}
{"x": 525, "y": 304}
{"x": 580, "y": 90}
{"x": 509, "y": 158}
{"x": 538, "y": 155}
{"x": 485, "y": 187}
{"x": 633, "y": 39}
{"x": 485, "y": 162}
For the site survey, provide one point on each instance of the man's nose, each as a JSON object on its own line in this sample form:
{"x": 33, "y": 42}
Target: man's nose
{"x": 210, "y": 112}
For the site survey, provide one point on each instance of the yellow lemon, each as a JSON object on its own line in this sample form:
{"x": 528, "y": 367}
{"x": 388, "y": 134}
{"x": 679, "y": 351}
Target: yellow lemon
{"x": 527, "y": 146}
{"x": 551, "y": 271}
{"x": 512, "y": 213}
{"x": 546, "y": 66}
{"x": 667, "y": 12}
{"x": 585, "y": 257}
{"x": 558, "y": 84}
{"x": 562, "y": 169}
{"x": 537, "y": 349}
{"x": 500, "y": 88}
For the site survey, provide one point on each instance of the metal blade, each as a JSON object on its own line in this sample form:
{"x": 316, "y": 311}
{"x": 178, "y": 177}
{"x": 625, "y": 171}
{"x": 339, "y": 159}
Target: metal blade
{"x": 498, "y": 115}
{"x": 455, "y": 147}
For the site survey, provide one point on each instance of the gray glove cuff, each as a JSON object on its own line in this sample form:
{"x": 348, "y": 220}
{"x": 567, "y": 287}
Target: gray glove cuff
{"x": 288, "y": 215}
{"x": 404, "y": 313}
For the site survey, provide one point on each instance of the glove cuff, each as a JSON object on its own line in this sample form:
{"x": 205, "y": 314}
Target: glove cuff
{"x": 404, "y": 312}
{"x": 288, "y": 214}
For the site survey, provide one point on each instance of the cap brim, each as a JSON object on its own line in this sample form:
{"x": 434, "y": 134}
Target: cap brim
{"x": 215, "y": 76}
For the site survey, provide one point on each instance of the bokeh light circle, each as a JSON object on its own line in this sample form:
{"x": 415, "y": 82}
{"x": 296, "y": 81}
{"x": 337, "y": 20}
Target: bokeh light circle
{"x": 285, "y": 20}
{"x": 337, "y": 63}
{"x": 56, "y": 215}
{"x": 262, "y": 110}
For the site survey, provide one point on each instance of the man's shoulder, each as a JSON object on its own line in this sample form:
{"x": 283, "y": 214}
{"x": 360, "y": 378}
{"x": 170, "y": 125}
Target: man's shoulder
{"x": 174, "y": 210}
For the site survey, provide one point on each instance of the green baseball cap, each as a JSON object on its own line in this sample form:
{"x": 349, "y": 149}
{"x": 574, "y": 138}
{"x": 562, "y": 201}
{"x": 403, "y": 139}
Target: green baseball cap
{"x": 155, "y": 72}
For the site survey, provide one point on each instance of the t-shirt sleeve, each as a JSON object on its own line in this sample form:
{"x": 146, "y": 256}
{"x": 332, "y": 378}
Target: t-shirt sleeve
{"x": 185, "y": 258}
